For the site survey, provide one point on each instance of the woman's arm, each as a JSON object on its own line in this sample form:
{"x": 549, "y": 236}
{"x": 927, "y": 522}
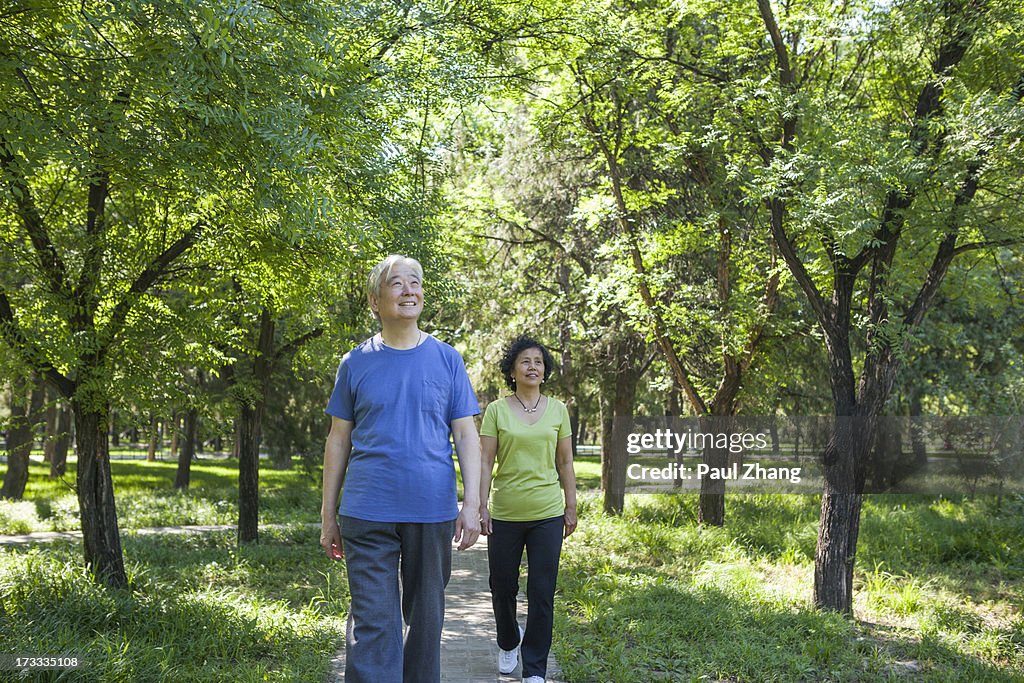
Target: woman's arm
{"x": 567, "y": 477}
{"x": 488, "y": 452}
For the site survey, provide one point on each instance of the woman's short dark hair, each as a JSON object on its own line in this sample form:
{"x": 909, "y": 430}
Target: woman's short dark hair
{"x": 517, "y": 346}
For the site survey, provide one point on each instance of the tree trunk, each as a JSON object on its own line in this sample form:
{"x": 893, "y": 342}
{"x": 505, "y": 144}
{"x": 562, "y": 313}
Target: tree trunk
{"x": 154, "y": 437}
{"x": 841, "y": 501}
{"x": 622, "y": 407}
{"x": 188, "y": 450}
{"x": 50, "y": 440}
{"x": 673, "y": 408}
{"x": 614, "y": 458}
{"x": 19, "y": 443}
{"x": 607, "y": 436}
{"x": 61, "y": 441}
{"x": 837, "y": 550}
{"x": 249, "y": 473}
{"x": 917, "y": 444}
{"x": 280, "y": 457}
{"x": 568, "y": 370}
{"x": 100, "y": 533}
{"x": 711, "y": 504}
{"x": 250, "y": 430}
{"x": 773, "y": 429}
{"x": 881, "y": 458}
{"x": 175, "y": 434}
{"x": 115, "y": 429}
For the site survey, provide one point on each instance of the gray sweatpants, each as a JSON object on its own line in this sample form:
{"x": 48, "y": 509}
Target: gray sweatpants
{"x": 378, "y": 555}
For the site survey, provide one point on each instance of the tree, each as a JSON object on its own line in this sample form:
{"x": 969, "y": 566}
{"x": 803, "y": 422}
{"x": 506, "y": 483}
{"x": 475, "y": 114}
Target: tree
{"x": 58, "y": 433}
{"x": 942, "y": 176}
{"x": 698, "y": 280}
{"x": 532, "y": 260}
{"x": 26, "y": 403}
{"x": 138, "y": 144}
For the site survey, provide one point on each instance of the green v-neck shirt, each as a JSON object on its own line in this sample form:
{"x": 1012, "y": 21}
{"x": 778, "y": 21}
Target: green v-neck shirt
{"x": 525, "y": 486}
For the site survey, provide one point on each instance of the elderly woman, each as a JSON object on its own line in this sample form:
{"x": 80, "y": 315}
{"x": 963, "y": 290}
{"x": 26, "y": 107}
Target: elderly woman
{"x": 529, "y": 501}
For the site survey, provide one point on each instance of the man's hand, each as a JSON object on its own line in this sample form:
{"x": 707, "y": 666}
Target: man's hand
{"x": 330, "y": 540}
{"x": 467, "y": 527}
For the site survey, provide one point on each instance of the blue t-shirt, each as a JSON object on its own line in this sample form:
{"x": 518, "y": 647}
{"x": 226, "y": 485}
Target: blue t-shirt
{"x": 401, "y": 403}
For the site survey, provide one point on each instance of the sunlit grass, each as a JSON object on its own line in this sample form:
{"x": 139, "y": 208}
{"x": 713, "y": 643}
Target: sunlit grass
{"x": 199, "y": 609}
{"x": 648, "y": 596}
{"x": 652, "y": 596}
{"x": 145, "y": 497}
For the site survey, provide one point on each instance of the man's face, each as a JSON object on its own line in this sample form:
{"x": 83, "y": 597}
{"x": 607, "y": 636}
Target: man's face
{"x": 400, "y": 297}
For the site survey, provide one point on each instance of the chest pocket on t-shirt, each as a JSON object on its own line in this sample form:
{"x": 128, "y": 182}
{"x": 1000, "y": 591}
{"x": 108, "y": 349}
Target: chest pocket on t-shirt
{"x": 436, "y": 397}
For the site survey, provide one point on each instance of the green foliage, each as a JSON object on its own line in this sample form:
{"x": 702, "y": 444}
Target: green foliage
{"x": 152, "y": 147}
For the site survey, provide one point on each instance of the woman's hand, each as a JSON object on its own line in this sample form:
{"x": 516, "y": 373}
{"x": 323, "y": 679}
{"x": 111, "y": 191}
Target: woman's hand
{"x": 570, "y": 521}
{"x": 485, "y": 521}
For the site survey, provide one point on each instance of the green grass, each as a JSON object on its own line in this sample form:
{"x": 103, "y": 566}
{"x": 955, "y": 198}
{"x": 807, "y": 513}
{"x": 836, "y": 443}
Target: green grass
{"x": 651, "y": 596}
{"x": 145, "y": 496}
{"x": 648, "y": 596}
{"x": 199, "y": 609}
{"x": 588, "y": 471}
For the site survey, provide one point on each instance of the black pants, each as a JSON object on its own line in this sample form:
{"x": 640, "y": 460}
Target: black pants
{"x": 543, "y": 542}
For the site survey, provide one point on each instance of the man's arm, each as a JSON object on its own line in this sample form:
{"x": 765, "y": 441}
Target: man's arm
{"x": 336, "y": 452}
{"x": 467, "y": 449}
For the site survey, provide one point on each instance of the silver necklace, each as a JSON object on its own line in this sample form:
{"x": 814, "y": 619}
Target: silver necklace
{"x": 528, "y": 410}
{"x": 419, "y": 339}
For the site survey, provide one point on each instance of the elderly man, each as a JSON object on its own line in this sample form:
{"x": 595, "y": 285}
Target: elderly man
{"x": 398, "y": 398}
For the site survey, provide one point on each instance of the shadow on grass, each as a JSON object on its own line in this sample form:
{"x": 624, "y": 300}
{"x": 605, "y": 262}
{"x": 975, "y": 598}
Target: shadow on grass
{"x": 975, "y": 545}
{"x": 650, "y": 596}
{"x": 200, "y": 609}
{"x": 640, "y": 627}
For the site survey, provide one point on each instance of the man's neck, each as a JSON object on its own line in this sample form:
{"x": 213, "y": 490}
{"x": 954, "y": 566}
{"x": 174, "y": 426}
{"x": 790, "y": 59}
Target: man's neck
{"x": 401, "y": 336}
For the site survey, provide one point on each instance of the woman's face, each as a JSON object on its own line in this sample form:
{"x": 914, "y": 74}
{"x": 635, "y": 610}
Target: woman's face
{"x": 528, "y": 370}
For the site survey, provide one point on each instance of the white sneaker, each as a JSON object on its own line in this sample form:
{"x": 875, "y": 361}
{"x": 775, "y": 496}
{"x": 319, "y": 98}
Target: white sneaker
{"x": 533, "y": 679}
{"x": 508, "y": 660}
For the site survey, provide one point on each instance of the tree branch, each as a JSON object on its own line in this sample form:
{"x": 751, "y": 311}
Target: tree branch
{"x": 882, "y": 248}
{"x": 31, "y": 353}
{"x": 294, "y": 345}
{"x": 990, "y": 244}
{"x": 769, "y": 300}
{"x": 156, "y": 268}
{"x": 796, "y": 265}
{"x": 786, "y": 76}
{"x": 50, "y": 262}
{"x": 669, "y": 351}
